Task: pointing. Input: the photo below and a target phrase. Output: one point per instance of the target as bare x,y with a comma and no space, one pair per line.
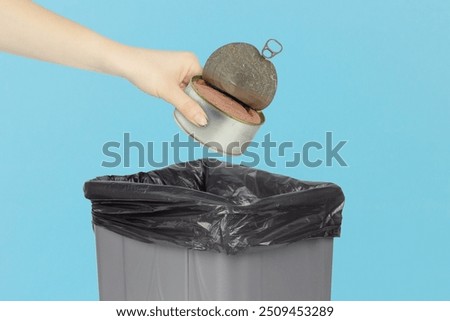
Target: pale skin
30,30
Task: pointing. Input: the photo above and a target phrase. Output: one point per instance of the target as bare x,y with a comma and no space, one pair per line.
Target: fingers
195,70
195,67
188,107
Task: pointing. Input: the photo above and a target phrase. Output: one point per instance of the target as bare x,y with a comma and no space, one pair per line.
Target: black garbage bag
212,205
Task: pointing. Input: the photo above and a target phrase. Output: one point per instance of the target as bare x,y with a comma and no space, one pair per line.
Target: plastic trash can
207,230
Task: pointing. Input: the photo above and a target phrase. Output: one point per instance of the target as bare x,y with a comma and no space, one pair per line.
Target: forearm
29,30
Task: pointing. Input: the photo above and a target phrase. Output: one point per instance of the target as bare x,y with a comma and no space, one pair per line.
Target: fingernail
201,120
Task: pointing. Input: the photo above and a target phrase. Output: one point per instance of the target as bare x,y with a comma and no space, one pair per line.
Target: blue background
375,73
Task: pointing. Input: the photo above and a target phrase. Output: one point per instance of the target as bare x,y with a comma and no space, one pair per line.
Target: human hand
28,29
165,74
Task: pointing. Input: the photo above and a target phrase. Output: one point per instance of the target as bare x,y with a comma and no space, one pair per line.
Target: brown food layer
226,104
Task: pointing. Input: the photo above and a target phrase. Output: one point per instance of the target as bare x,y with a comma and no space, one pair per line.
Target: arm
29,30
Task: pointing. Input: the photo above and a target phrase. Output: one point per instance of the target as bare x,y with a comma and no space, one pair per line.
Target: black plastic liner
211,205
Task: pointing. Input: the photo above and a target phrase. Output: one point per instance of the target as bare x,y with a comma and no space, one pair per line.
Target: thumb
188,107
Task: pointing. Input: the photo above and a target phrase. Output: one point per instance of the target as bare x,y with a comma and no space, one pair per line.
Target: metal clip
268,52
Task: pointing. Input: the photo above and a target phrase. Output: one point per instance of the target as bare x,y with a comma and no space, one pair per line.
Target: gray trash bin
179,234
